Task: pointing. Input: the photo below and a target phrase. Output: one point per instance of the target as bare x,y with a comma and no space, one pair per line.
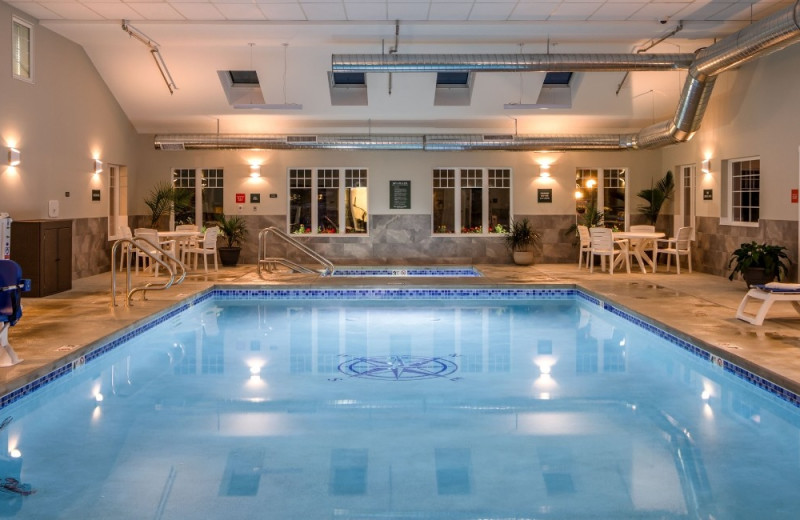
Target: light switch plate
52,208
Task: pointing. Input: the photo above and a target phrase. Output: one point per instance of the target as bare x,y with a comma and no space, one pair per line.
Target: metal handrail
134,245
263,260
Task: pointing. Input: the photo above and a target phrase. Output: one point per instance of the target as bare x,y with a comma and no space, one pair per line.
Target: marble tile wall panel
91,250
715,242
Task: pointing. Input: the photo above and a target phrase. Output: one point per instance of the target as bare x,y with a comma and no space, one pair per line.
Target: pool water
448,409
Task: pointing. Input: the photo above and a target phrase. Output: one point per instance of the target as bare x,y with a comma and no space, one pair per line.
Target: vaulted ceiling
289,44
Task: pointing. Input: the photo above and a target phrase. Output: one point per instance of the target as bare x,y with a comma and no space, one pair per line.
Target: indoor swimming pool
399,403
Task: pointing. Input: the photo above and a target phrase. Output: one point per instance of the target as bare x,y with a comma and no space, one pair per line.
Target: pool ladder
172,265
268,263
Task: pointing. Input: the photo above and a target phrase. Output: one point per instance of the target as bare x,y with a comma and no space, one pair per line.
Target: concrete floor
60,328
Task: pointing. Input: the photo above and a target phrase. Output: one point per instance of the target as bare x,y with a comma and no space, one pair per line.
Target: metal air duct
509,62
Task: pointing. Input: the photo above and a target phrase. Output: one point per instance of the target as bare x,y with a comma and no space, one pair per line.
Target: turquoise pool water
399,404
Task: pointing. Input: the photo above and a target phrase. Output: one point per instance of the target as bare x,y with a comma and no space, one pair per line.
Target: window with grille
471,200
745,189
340,200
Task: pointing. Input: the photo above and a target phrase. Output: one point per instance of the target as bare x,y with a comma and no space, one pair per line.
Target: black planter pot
757,276
229,256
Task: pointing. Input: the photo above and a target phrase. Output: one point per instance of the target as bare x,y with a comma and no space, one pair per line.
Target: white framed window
329,201
742,191
21,49
471,200
206,195
603,190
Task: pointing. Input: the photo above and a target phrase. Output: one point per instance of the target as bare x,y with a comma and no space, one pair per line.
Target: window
685,207
601,191
205,197
341,200
117,199
745,186
21,49
471,200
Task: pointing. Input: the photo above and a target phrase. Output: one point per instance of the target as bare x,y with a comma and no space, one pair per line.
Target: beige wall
58,122
392,165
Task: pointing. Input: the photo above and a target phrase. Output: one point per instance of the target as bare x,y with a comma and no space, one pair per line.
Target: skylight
452,79
243,77
557,78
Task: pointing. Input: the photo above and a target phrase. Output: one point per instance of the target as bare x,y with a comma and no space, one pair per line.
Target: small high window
343,79
21,49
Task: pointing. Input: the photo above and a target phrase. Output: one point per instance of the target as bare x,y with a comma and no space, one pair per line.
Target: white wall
59,123
753,112
393,165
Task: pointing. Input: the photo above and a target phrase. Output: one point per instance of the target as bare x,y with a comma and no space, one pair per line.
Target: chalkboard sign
399,194
545,195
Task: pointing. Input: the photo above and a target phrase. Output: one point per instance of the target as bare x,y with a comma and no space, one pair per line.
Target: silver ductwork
758,39
509,62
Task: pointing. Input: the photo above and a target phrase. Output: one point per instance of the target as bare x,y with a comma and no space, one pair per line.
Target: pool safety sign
239,198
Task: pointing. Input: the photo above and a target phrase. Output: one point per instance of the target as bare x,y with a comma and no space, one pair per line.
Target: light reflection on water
403,409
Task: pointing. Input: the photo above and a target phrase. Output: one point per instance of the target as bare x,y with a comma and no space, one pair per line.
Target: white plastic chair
147,239
677,246
603,245
125,250
206,246
585,245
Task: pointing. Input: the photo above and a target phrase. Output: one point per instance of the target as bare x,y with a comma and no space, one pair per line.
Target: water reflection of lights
15,453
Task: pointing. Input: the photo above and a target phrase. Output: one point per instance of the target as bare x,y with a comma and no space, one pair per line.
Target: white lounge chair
768,294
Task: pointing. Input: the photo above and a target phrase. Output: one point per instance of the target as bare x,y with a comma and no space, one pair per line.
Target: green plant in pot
233,231
759,263
521,240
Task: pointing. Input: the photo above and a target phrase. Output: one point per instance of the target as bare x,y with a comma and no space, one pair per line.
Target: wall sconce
97,166
544,170
705,166
591,183
578,194
255,171
13,157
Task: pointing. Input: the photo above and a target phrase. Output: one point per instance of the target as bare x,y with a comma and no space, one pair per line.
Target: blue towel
777,287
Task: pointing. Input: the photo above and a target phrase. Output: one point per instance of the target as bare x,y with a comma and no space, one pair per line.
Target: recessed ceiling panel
492,11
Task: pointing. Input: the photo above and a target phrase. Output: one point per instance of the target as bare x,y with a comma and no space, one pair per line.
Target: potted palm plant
163,198
233,231
521,240
656,196
759,263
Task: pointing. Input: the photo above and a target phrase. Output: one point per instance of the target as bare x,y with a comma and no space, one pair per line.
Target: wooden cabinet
43,248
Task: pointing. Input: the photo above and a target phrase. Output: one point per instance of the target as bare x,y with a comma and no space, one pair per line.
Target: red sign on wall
240,198
794,196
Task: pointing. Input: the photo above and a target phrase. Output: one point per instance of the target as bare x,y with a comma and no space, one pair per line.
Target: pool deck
60,328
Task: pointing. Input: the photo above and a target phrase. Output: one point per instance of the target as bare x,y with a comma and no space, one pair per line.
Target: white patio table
638,244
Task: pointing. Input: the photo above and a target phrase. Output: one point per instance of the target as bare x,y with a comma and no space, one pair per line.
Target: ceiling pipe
509,62
759,39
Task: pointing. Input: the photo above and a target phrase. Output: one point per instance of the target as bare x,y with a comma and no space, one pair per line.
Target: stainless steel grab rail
134,245
269,263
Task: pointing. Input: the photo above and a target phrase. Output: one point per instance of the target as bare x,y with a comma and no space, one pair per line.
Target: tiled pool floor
59,327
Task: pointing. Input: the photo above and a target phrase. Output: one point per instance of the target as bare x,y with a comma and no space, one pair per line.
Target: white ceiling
196,39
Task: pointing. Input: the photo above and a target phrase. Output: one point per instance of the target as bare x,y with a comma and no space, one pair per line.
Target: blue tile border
512,293
411,272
